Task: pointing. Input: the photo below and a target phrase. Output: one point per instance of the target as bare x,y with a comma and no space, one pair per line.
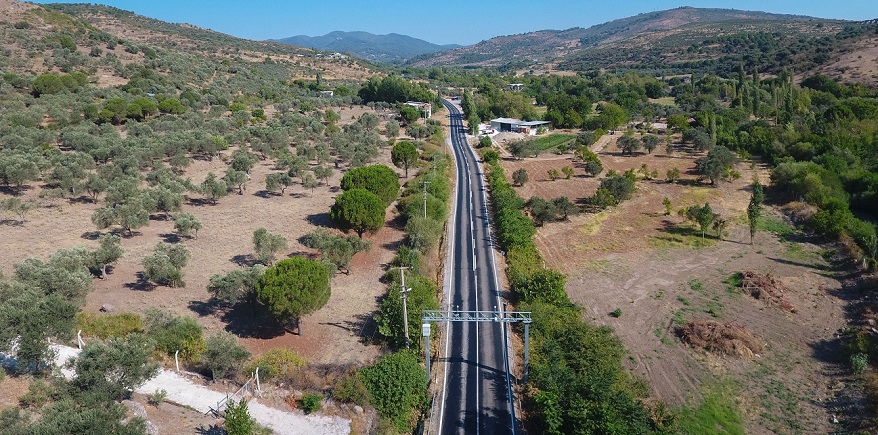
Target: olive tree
237,178
520,176
337,249
28,318
187,224
266,245
715,164
629,144
235,286
278,181
213,188
108,252
392,128
17,207
165,264
294,287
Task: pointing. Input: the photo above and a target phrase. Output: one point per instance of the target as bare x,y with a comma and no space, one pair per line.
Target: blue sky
442,21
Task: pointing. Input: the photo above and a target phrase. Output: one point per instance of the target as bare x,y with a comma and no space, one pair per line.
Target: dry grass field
660,274
332,335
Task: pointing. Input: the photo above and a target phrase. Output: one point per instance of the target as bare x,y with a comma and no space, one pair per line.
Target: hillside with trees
678,41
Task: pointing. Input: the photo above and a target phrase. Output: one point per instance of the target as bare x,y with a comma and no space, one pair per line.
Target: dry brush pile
729,338
767,289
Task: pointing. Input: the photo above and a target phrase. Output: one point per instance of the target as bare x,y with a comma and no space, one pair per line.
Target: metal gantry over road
476,383
476,316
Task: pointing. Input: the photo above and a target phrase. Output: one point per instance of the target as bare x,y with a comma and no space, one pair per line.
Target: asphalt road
477,394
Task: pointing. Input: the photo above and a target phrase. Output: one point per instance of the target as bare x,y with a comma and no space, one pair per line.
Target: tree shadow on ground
210,430
304,254
244,260
142,284
265,194
251,320
170,237
12,222
362,325
200,202
81,199
91,235
205,308
319,220
14,191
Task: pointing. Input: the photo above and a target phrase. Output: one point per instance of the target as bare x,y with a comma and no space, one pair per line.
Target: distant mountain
646,41
391,48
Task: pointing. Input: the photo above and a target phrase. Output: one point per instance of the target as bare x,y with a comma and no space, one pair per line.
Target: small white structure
426,109
327,93
519,126
515,86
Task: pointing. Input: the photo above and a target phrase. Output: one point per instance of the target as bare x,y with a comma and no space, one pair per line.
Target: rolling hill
390,48
106,39
662,41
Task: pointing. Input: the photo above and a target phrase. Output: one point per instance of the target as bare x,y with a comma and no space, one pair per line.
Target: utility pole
425,183
405,312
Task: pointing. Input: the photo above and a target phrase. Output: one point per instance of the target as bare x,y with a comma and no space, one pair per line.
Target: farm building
424,108
519,126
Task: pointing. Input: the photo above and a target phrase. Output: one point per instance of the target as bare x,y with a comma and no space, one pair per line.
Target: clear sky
443,21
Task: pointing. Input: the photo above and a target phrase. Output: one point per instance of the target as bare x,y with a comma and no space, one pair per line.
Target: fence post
258,386
79,341
177,360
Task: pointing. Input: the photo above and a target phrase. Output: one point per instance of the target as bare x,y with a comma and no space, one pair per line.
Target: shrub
311,402
223,355
104,326
157,397
172,333
277,363
617,313
238,419
859,362
351,389
397,386
39,392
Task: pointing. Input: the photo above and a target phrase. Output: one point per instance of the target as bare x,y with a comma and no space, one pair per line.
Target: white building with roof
426,109
519,126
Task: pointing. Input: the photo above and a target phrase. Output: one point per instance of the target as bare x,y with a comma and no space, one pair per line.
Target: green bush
859,362
397,386
351,389
105,326
311,402
172,333
276,363
39,392
423,296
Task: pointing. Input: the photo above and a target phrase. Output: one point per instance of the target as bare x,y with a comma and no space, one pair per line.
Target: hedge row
577,382
397,384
